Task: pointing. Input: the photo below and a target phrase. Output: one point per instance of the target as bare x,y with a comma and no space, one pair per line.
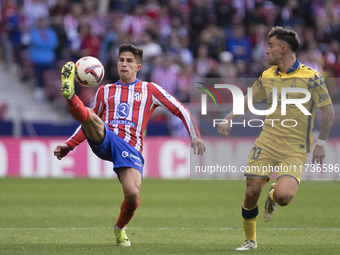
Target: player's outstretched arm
224,127
326,125
61,151
198,145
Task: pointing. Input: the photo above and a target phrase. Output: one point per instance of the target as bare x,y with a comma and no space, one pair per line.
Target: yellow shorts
264,160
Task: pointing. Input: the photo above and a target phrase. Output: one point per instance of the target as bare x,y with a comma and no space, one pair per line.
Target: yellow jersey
293,131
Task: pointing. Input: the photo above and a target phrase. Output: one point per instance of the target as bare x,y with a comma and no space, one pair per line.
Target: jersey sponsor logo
323,97
123,122
138,96
125,154
123,110
135,157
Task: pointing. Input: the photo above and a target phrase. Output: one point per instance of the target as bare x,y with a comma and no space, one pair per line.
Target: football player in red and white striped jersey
114,127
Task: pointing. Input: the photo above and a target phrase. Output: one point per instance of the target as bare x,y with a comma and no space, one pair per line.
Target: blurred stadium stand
182,40
22,112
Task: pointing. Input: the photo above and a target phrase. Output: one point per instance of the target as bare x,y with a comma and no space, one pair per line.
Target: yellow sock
249,226
249,222
271,195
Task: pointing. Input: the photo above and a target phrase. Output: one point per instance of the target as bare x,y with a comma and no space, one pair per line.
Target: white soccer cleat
247,245
270,207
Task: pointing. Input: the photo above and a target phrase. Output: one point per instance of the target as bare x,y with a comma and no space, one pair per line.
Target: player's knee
283,199
131,195
252,194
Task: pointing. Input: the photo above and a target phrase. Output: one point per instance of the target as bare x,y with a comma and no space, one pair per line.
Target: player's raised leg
131,180
91,123
75,105
270,206
281,194
250,211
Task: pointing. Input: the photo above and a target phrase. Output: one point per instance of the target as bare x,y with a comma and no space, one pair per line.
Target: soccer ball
89,71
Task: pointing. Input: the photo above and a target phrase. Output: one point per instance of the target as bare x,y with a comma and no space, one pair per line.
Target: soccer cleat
67,80
247,245
121,237
269,208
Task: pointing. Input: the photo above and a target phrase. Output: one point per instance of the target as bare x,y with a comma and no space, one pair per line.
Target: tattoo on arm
326,121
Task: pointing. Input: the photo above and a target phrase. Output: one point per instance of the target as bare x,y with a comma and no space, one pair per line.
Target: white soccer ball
89,71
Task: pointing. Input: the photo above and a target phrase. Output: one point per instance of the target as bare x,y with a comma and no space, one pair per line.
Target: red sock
126,212
77,109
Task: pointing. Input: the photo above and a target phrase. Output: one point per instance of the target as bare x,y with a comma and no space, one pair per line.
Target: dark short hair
137,52
288,36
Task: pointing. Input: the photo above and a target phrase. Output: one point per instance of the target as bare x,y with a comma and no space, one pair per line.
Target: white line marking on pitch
167,228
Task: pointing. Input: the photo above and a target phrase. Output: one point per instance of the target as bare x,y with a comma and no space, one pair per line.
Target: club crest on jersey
138,96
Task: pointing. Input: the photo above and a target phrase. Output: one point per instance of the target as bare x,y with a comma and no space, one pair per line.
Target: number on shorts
256,153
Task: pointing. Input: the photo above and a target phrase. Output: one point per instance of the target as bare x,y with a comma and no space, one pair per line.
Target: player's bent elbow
90,110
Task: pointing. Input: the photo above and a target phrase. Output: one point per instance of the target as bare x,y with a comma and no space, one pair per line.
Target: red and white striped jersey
127,108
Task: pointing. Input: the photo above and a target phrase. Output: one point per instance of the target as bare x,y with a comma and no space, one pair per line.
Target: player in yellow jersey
285,140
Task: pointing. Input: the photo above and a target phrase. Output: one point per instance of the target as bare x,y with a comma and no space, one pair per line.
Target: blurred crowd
182,39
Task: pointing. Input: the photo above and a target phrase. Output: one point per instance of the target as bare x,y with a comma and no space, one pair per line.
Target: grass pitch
76,216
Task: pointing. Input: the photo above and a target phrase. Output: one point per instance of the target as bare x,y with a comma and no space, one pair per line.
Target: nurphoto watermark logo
283,100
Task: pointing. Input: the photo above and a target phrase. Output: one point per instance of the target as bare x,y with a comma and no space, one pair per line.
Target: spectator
71,23
213,71
35,10
60,8
224,11
58,27
255,17
41,51
151,49
186,80
239,45
186,55
136,23
16,25
289,16
7,11
241,67
226,68
198,18
203,62
95,21
165,73
109,39
90,44
3,110
217,42
164,20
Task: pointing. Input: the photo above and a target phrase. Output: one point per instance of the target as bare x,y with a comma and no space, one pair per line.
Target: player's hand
198,146
61,151
318,154
224,127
